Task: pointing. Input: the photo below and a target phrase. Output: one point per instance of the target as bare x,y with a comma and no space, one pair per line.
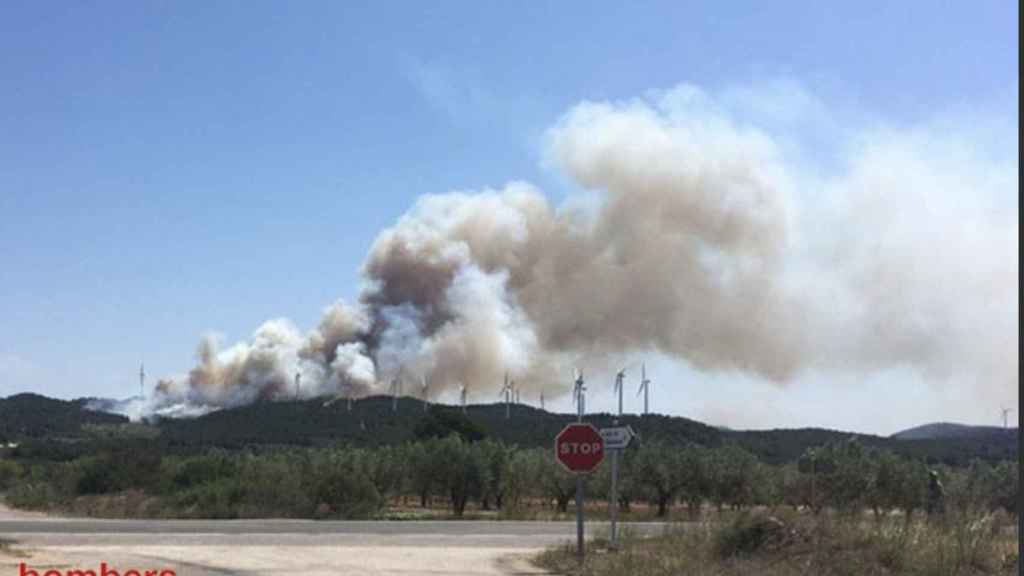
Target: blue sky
167,169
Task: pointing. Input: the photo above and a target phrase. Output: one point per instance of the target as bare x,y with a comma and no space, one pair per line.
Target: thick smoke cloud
698,233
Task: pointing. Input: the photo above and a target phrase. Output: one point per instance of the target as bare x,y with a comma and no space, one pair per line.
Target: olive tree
658,472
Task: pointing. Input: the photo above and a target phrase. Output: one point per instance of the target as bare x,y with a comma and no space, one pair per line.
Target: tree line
459,473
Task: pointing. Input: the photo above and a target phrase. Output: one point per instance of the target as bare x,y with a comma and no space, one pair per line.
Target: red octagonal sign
579,447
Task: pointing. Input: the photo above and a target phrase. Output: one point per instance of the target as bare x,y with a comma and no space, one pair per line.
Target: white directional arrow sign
616,438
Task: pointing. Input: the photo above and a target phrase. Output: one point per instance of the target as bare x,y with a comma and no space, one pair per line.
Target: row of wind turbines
579,390
511,393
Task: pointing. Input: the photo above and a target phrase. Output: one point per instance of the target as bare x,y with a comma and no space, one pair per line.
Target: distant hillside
786,445
34,416
371,422
948,430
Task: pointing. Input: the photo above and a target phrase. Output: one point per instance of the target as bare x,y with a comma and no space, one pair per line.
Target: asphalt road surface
284,547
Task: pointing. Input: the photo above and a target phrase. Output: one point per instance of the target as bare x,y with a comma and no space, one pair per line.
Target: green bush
750,533
273,487
10,473
116,471
95,476
219,499
34,496
198,470
347,494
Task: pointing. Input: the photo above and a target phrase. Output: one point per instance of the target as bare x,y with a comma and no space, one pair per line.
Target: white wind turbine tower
424,391
396,391
142,380
1006,412
620,377
579,392
645,386
506,390
541,399
462,397
298,377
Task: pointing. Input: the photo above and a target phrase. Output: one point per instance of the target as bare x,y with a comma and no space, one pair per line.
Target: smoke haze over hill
699,230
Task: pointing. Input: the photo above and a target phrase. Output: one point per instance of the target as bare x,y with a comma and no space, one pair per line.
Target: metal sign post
613,501
615,439
579,517
579,490
580,448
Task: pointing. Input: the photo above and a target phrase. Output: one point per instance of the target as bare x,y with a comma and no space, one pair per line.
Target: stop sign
579,447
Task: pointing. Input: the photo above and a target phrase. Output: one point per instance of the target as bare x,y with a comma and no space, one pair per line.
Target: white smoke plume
703,232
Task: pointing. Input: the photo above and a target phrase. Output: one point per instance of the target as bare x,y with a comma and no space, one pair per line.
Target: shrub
750,533
273,487
347,494
10,473
34,495
199,470
217,500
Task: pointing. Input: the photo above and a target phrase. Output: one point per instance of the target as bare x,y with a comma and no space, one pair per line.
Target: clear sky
167,169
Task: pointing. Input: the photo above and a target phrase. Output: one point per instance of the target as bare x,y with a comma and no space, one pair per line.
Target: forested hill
35,416
940,430
372,422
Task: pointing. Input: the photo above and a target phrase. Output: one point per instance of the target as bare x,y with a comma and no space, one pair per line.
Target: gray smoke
694,234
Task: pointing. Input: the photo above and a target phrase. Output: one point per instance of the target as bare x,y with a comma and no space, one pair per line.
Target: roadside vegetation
451,471
959,542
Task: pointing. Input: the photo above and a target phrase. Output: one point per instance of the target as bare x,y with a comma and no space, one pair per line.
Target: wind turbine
579,392
462,397
506,390
298,377
645,386
396,391
1006,412
620,376
142,380
541,399
424,390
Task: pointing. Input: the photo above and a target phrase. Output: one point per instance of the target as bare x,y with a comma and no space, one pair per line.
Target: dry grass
804,545
7,549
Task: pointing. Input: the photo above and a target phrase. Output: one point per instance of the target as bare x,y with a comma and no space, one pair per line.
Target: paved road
278,547
258,527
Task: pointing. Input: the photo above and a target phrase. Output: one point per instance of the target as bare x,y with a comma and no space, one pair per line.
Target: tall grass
825,545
